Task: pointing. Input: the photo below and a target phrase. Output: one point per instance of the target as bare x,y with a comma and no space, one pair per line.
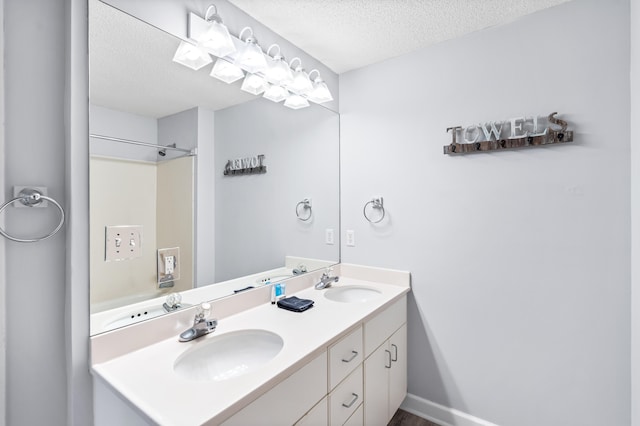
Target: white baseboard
440,414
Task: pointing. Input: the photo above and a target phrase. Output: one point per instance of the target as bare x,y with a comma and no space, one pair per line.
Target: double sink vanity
341,362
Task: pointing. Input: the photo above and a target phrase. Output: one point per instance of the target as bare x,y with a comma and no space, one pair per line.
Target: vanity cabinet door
385,370
289,400
318,416
376,387
398,370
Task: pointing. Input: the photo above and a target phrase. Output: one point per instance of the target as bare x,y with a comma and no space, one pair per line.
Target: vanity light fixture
278,71
295,101
191,56
216,39
253,84
250,56
301,82
320,92
275,93
264,74
226,71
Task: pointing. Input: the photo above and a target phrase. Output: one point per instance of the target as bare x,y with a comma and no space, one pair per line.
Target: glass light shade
226,71
296,102
217,40
191,56
278,72
250,57
320,92
301,82
276,93
253,84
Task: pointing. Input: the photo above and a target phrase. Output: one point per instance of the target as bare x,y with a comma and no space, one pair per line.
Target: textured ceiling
130,61
350,34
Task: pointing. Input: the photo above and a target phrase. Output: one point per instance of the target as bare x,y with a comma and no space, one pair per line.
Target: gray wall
35,144
520,260
256,226
635,210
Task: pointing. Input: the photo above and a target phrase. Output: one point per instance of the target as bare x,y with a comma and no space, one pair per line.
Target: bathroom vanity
341,362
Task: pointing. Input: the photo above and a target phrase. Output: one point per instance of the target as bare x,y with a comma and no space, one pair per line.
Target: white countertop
146,379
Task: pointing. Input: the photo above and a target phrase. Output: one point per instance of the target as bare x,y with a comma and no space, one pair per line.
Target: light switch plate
351,238
123,242
328,237
164,276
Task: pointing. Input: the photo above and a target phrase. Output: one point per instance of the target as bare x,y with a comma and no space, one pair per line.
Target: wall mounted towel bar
376,203
30,197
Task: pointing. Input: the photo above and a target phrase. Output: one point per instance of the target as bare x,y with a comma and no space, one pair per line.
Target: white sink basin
228,355
351,294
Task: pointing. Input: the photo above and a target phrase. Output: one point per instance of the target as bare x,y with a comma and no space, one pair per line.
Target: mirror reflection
198,190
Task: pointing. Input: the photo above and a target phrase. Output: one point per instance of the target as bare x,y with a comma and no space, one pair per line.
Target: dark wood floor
402,418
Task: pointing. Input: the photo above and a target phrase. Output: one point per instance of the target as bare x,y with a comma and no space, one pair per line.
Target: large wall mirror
165,218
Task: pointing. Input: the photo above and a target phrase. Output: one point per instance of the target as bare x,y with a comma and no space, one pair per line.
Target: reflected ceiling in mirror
236,230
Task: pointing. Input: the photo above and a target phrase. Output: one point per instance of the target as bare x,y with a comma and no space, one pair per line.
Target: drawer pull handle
353,401
395,351
354,354
388,353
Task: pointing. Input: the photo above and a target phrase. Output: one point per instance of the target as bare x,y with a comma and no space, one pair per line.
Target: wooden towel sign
521,132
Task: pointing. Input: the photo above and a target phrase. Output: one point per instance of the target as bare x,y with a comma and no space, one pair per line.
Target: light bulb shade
253,84
191,56
226,71
217,40
296,102
301,82
251,58
320,92
278,72
276,93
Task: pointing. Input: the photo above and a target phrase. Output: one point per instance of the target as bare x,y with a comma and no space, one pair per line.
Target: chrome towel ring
376,203
306,205
32,197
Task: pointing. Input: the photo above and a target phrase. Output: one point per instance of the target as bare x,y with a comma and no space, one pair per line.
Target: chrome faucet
173,302
201,325
326,279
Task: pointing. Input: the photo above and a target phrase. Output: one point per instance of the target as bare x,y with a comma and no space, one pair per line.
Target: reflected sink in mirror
351,294
121,319
226,356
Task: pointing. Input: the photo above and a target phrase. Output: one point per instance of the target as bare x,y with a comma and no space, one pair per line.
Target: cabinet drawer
344,357
346,398
379,328
289,400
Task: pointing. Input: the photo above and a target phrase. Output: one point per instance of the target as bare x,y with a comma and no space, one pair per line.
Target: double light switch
123,242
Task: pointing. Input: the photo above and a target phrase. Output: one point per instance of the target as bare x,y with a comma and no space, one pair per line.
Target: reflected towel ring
32,197
376,203
306,204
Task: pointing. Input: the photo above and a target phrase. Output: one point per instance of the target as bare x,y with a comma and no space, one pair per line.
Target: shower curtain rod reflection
191,152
